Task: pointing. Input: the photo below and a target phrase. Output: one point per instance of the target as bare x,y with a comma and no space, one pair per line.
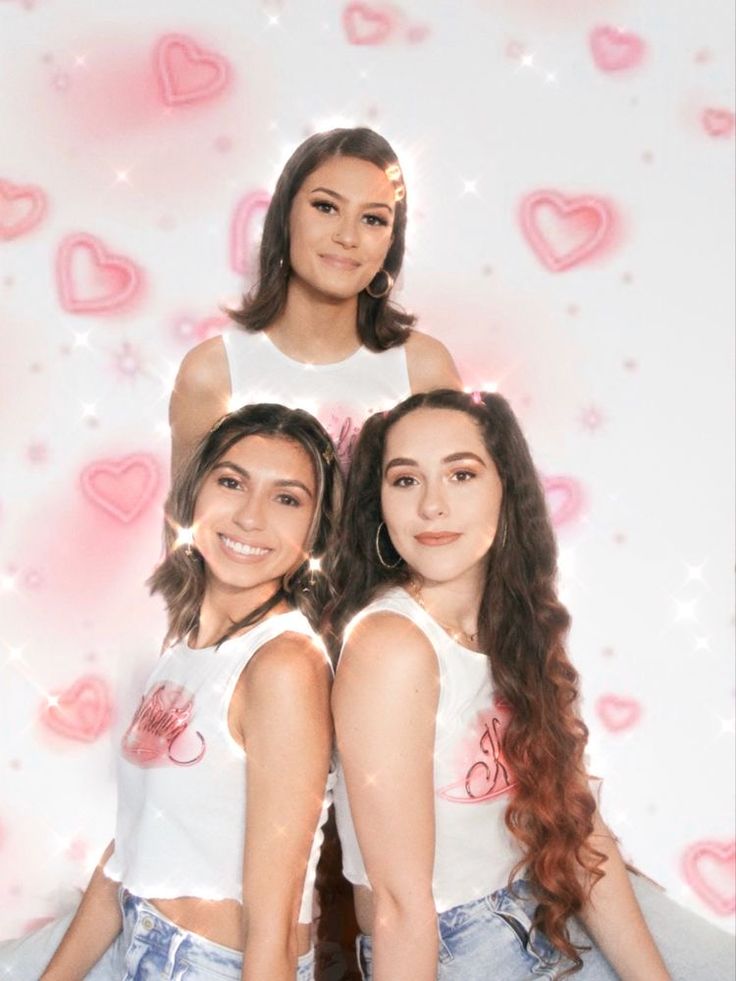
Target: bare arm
614,920
430,364
200,397
287,731
385,701
96,924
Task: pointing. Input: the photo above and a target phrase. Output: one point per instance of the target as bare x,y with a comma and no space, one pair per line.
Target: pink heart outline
82,712
37,207
565,207
104,260
573,498
615,50
240,259
166,52
720,851
91,474
357,19
717,122
618,712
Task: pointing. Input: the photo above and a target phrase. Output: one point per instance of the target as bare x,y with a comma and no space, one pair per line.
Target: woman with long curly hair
469,826
224,771
320,329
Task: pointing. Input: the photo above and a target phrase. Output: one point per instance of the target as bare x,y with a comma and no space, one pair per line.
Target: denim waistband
157,931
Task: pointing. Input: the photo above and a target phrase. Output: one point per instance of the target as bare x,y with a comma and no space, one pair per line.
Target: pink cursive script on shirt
486,775
158,734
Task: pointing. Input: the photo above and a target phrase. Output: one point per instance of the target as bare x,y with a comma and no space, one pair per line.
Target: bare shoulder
200,397
204,369
390,647
291,662
430,364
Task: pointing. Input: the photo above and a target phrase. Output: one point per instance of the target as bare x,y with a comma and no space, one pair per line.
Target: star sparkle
591,418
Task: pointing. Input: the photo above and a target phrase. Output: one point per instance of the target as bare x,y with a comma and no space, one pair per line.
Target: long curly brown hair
522,628
380,324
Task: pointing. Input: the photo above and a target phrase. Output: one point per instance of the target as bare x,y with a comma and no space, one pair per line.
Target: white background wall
620,365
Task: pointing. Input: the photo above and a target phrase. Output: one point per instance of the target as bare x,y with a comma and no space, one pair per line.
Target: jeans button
147,923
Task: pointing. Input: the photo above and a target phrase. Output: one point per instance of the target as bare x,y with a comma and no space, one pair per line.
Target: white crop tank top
341,395
182,777
474,850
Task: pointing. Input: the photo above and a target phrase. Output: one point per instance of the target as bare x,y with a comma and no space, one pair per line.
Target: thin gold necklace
457,634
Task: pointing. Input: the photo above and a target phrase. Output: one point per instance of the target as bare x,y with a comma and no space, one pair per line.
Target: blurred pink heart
186,73
21,208
243,247
92,280
618,712
124,487
365,24
82,712
718,122
564,231
708,868
614,50
564,499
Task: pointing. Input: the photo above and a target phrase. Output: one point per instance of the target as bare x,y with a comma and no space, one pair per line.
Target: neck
456,604
315,328
222,607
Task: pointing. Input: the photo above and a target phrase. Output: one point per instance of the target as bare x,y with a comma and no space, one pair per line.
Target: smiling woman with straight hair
469,825
320,329
223,776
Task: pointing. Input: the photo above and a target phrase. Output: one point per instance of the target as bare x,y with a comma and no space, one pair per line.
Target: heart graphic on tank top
709,868
563,231
82,712
614,50
123,488
21,208
90,279
618,713
186,73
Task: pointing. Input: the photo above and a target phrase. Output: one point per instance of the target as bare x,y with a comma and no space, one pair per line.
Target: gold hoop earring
384,563
389,286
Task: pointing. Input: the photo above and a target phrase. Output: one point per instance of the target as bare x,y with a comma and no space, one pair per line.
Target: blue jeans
493,937
149,948
154,948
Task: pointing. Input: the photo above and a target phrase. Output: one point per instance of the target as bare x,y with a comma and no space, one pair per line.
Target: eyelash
232,483
289,501
407,481
327,207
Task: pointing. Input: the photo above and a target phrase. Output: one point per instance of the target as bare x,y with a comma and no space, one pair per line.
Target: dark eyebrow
285,482
404,461
339,197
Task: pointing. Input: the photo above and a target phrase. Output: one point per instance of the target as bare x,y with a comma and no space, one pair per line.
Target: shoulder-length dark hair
522,628
381,324
180,578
